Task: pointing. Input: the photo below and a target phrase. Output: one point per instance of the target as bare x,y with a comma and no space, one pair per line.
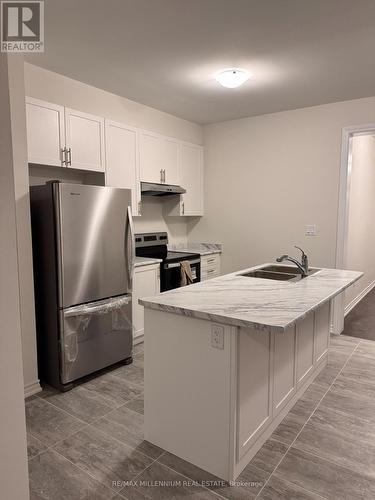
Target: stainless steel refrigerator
83,249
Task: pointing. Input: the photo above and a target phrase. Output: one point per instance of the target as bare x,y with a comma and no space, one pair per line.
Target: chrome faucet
303,266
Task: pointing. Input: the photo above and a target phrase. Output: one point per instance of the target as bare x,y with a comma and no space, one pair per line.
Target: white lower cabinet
210,266
146,283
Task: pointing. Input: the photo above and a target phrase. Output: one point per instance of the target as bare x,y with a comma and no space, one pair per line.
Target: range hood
153,189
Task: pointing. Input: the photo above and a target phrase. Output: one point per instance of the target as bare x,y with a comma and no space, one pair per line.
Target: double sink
278,273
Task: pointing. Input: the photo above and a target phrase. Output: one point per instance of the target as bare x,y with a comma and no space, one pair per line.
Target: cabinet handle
163,174
211,260
183,208
63,156
68,157
139,208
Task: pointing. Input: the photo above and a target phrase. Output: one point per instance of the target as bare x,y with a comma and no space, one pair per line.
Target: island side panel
254,379
188,390
296,357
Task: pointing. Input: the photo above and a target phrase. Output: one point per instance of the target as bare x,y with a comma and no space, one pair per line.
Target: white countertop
145,261
253,302
201,248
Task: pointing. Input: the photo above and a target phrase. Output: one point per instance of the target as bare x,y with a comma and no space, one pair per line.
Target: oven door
171,274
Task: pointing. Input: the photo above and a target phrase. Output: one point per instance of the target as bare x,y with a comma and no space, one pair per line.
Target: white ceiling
163,53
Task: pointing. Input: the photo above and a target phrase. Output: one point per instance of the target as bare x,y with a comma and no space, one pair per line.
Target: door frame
337,320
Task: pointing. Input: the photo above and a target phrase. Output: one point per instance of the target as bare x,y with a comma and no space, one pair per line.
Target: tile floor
88,443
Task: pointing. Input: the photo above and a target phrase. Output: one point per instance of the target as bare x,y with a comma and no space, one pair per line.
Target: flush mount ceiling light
232,77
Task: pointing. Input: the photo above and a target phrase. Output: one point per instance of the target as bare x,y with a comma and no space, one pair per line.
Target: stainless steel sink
270,275
278,273
286,269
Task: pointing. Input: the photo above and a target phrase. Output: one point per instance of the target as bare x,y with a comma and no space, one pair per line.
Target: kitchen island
226,359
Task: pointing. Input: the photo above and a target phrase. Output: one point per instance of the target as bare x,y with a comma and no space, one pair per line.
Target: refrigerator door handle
130,247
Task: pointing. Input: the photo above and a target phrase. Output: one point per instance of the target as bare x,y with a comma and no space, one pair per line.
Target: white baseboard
138,339
359,297
31,389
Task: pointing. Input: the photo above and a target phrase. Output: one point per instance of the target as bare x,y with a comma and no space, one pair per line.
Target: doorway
355,227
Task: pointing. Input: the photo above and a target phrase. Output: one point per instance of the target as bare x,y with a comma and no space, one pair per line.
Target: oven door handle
177,264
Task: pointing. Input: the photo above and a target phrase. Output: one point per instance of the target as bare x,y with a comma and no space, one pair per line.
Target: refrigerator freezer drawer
95,335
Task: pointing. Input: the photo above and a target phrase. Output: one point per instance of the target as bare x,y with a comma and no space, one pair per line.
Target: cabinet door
85,139
284,368
151,158
122,160
321,336
191,178
158,158
305,348
146,284
45,132
171,159
254,407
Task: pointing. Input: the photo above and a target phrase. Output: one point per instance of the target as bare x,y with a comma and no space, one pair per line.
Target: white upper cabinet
171,165
122,160
158,158
191,178
45,132
64,137
84,141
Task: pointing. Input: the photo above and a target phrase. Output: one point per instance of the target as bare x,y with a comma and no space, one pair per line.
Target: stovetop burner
178,256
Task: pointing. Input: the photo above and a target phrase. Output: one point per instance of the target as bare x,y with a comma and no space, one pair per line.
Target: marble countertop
201,248
145,261
253,302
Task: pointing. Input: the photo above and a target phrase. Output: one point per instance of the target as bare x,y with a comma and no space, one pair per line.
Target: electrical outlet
217,336
310,230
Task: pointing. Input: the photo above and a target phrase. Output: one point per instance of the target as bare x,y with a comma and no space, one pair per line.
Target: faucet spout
303,267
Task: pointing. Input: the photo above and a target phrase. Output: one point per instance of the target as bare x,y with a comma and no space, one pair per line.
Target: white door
122,160
151,158
85,140
146,284
191,178
45,132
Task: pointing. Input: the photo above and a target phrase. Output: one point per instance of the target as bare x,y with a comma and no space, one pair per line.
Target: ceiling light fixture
232,78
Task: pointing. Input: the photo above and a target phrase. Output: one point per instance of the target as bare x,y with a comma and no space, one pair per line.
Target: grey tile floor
88,443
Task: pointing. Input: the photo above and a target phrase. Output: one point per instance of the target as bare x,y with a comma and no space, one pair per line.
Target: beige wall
266,177
361,217
13,458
